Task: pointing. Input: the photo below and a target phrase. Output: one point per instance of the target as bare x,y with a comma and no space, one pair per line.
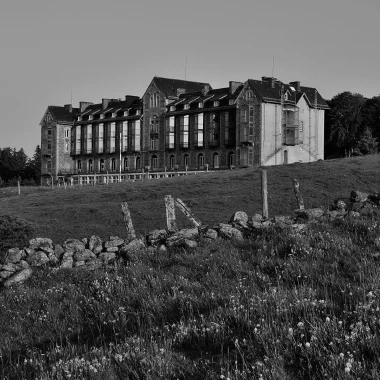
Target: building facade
184,125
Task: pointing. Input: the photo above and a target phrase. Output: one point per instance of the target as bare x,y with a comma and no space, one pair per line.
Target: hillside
213,197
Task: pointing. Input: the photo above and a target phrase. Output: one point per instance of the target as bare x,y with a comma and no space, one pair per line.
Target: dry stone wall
17,264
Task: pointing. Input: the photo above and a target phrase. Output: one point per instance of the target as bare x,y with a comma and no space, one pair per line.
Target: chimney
205,89
180,91
296,85
269,80
131,98
84,105
69,107
234,86
105,103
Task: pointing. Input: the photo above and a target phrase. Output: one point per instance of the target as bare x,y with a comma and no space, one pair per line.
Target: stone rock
79,263
68,254
95,244
133,246
85,241
114,238
309,214
28,251
239,217
340,204
4,274
113,243
334,214
354,214
156,237
67,262
53,259
40,243
22,265
37,259
13,255
84,256
184,243
59,251
257,218
228,232
112,249
161,248
358,196
298,227
74,245
19,277
93,264
48,251
211,234
368,209
107,257
187,233
11,267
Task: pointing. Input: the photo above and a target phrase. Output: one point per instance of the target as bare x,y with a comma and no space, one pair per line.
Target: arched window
90,166
186,161
172,162
201,161
79,164
113,164
101,165
138,163
125,164
216,160
154,162
157,100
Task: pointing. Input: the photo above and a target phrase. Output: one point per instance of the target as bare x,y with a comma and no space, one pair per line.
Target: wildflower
370,294
340,323
290,331
341,355
347,369
300,324
327,320
307,345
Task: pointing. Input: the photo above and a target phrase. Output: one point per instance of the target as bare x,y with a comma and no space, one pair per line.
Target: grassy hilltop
283,305
213,197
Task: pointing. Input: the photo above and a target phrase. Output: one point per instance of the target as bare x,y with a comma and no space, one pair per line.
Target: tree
371,116
344,121
367,144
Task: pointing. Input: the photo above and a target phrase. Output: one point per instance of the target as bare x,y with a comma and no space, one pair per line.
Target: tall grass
283,305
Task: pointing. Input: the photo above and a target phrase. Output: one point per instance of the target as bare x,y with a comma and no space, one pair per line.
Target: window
170,132
154,125
231,159
100,140
198,130
102,115
154,162
216,103
126,113
88,140
201,161
186,106
111,129
249,95
200,105
301,126
154,143
79,165
136,135
49,166
66,147
290,126
214,130
186,160
184,131
216,160
172,108
229,135
90,166
172,162
138,163
138,112
113,164
124,138
49,145
49,131
157,100
244,114
67,133
231,102
125,164
101,165
77,139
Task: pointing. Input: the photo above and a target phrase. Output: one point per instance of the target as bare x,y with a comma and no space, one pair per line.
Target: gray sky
111,48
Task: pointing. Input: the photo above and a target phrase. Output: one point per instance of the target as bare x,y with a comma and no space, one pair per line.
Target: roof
113,106
169,86
273,94
62,114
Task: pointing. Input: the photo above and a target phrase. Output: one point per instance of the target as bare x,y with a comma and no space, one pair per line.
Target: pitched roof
169,86
273,94
62,114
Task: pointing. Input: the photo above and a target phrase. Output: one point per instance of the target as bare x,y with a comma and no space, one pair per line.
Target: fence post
131,234
51,182
298,195
18,186
206,167
186,211
170,213
264,193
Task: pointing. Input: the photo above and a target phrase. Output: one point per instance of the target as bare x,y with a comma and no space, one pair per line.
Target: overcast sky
110,48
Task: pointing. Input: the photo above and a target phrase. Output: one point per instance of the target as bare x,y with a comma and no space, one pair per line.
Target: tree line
16,166
352,125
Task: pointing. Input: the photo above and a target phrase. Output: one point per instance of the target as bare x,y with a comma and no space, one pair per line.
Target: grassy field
283,305
213,197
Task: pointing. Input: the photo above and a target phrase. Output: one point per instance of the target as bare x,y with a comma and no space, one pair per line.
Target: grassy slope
213,197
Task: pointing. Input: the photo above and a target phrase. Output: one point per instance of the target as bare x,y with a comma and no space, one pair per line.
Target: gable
47,118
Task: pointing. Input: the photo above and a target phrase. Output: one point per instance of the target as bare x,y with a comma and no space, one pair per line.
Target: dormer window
138,112
249,95
286,96
91,117
186,106
114,114
102,115
216,103
126,113
172,108
200,105
231,102
79,118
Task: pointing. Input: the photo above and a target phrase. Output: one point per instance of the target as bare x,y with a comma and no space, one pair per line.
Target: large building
184,125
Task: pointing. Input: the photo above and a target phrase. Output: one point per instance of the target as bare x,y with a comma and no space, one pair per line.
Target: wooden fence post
298,195
170,213
186,210
18,186
264,193
131,234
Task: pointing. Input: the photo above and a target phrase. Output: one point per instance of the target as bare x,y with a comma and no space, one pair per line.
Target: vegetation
283,305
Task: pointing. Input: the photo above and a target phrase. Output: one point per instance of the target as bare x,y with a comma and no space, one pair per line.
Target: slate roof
113,106
62,114
273,94
169,86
